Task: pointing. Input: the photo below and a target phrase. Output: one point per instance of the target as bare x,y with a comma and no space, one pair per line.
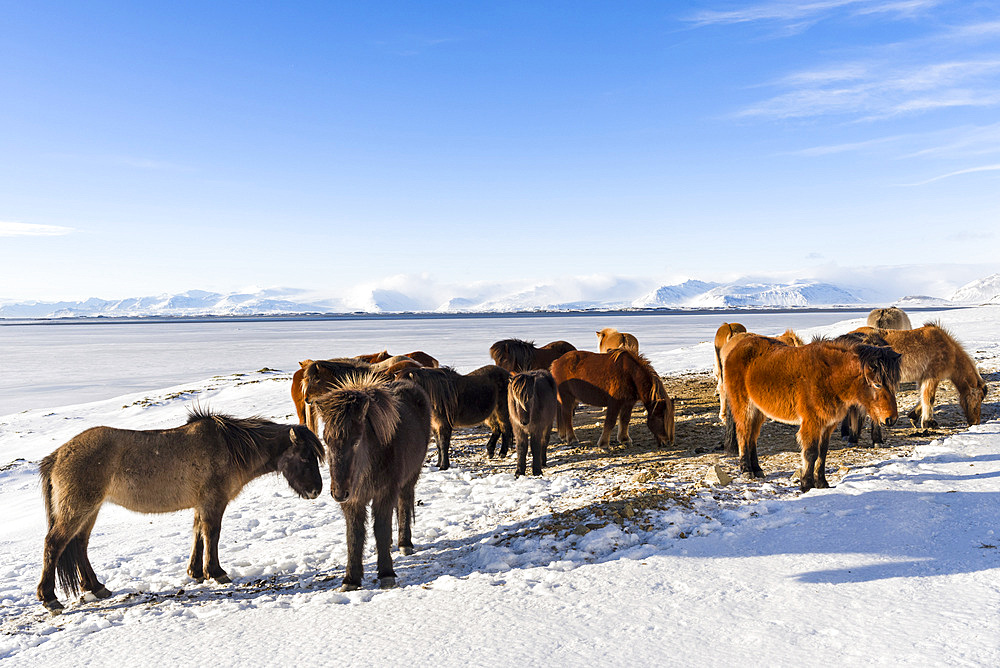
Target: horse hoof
223,579
349,587
406,550
101,592
54,606
387,583
930,424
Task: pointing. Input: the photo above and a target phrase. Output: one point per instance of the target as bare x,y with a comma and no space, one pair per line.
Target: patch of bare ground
628,479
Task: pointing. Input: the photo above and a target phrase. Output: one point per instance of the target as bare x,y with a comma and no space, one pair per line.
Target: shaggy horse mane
242,436
659,392
364,397
513,353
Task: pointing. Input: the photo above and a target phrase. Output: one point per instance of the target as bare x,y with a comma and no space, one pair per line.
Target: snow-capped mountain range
621,294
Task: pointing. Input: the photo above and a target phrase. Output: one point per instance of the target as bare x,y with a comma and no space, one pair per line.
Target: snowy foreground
898,564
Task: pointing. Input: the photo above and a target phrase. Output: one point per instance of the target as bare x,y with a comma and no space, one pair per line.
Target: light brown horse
889,318
930,355
202,465
811,386
418,356
610,338
376,432
726,332
516,355
316,377
532,403
618,379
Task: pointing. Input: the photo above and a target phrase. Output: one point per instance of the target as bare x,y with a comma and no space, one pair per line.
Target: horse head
299,463
880,371
660,420
972,401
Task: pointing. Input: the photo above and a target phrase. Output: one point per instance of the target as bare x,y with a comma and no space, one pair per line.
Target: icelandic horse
811,386
617,379
727,331
516,355
202,465
532,403
929,355
889,318
610,338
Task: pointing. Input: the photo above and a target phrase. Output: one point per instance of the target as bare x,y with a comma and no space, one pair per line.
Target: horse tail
729,443
522,393
73,555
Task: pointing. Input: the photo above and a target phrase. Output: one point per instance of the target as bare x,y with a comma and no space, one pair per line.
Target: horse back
592,378
930,352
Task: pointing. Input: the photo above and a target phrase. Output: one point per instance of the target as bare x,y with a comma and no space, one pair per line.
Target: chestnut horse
610,338
618,380
930,355
811,386
418,356
465,401
202,465
726,332
376,433
889,318
516,355
532,403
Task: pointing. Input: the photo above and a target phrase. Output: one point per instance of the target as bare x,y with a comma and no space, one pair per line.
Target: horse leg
819,469
850,427
63,554
809,437
404,516
610,417
565,417
196,569
443,438
878,435
721,390
537,456
355,517
749,463
87,574
624,417
382,521
211,529
521,443
925,412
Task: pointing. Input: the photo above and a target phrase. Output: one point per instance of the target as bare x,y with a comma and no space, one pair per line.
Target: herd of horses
371,419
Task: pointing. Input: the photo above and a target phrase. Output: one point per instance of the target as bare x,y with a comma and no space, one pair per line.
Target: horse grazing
610,338
202,465
315,377
516,355
465,401
376,432
889,318
811,386
617,379
532,403
930,355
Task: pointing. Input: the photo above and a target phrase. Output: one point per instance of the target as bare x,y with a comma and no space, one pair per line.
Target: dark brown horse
516,355
376,433
465,401
202,465
617,379
930,355
811,386
316,377
532,403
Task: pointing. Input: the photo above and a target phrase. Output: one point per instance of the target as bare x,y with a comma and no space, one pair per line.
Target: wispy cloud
798,16
30,230
880,90
960,172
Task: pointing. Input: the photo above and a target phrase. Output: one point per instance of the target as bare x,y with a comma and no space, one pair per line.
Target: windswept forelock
882,363
347,409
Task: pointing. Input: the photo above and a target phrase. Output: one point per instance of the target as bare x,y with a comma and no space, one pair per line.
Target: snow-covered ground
898,564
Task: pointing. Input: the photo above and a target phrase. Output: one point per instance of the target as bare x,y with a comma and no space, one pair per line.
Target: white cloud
30,230
960,172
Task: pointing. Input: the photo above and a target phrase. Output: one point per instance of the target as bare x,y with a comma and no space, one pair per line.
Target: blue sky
160,147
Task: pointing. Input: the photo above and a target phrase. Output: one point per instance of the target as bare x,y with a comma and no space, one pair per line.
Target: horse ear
305,363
